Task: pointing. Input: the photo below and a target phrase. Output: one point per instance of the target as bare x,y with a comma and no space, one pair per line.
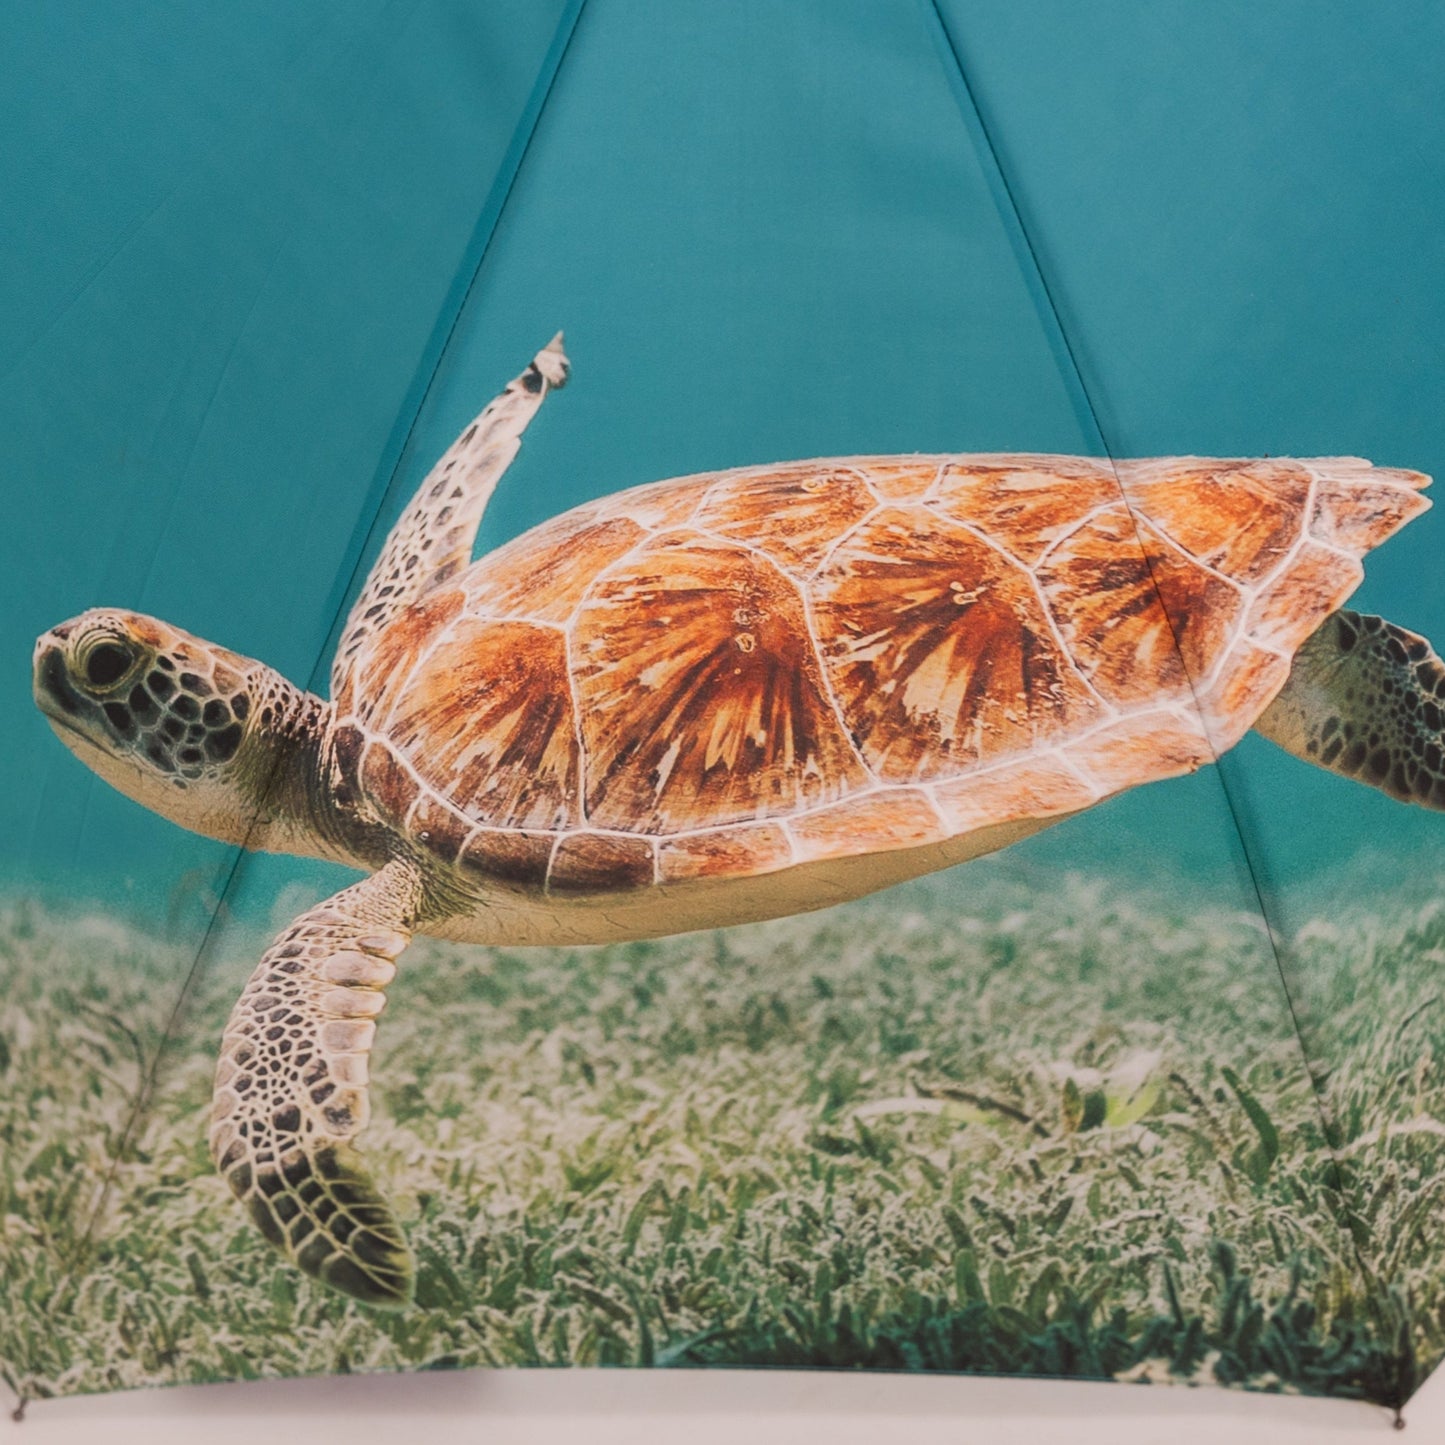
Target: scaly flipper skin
291,1089
1366,699
435,535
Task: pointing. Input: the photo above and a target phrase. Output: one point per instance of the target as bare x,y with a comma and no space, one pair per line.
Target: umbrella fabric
1152,1095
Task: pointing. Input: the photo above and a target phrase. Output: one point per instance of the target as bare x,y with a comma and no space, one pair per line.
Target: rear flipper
1367,699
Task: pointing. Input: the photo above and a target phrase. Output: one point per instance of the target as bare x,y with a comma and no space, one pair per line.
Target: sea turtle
722,698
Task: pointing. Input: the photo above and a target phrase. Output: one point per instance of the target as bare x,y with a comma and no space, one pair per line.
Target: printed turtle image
718,699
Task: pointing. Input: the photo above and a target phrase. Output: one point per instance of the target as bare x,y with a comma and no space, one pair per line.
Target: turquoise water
237,241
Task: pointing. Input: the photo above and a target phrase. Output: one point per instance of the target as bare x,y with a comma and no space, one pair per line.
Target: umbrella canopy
1154,1094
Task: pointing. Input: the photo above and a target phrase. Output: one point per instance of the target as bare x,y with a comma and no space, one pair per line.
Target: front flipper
1367,699
291,1089
437,532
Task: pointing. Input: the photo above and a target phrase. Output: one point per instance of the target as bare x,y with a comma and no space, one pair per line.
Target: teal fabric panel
233,232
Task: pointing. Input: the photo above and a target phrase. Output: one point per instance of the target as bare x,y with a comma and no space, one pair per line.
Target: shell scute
1239,517
1359,512
440,828
510,856
388,782
701,698
890,817
1319,580
542,582
1140,618
1024,503
939,650
383,667
791,514
486,719
348,745
899,479
1158,743
721,852
1240,693
664,506
1202,608
1032,787
601,863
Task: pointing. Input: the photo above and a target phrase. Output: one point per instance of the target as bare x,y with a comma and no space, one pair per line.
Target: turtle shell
735,673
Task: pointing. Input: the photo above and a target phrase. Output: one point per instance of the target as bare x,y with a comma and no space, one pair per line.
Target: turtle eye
107,662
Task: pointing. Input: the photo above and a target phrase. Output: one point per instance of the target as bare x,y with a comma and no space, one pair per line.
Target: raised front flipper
291,1089
436,533
1367,699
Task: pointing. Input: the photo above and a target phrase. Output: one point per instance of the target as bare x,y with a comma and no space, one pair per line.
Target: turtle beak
54,695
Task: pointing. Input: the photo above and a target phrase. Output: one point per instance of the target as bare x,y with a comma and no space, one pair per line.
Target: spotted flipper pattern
1366,698
434,538
291,1089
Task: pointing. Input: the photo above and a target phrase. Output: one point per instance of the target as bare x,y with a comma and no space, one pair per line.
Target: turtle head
172,721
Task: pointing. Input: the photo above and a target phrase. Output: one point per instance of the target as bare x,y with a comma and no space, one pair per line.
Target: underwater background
264,263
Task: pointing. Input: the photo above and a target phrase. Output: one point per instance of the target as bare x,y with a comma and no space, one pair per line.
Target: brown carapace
720,699
747,671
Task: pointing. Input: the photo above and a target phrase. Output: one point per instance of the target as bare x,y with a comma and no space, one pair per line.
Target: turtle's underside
723,698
